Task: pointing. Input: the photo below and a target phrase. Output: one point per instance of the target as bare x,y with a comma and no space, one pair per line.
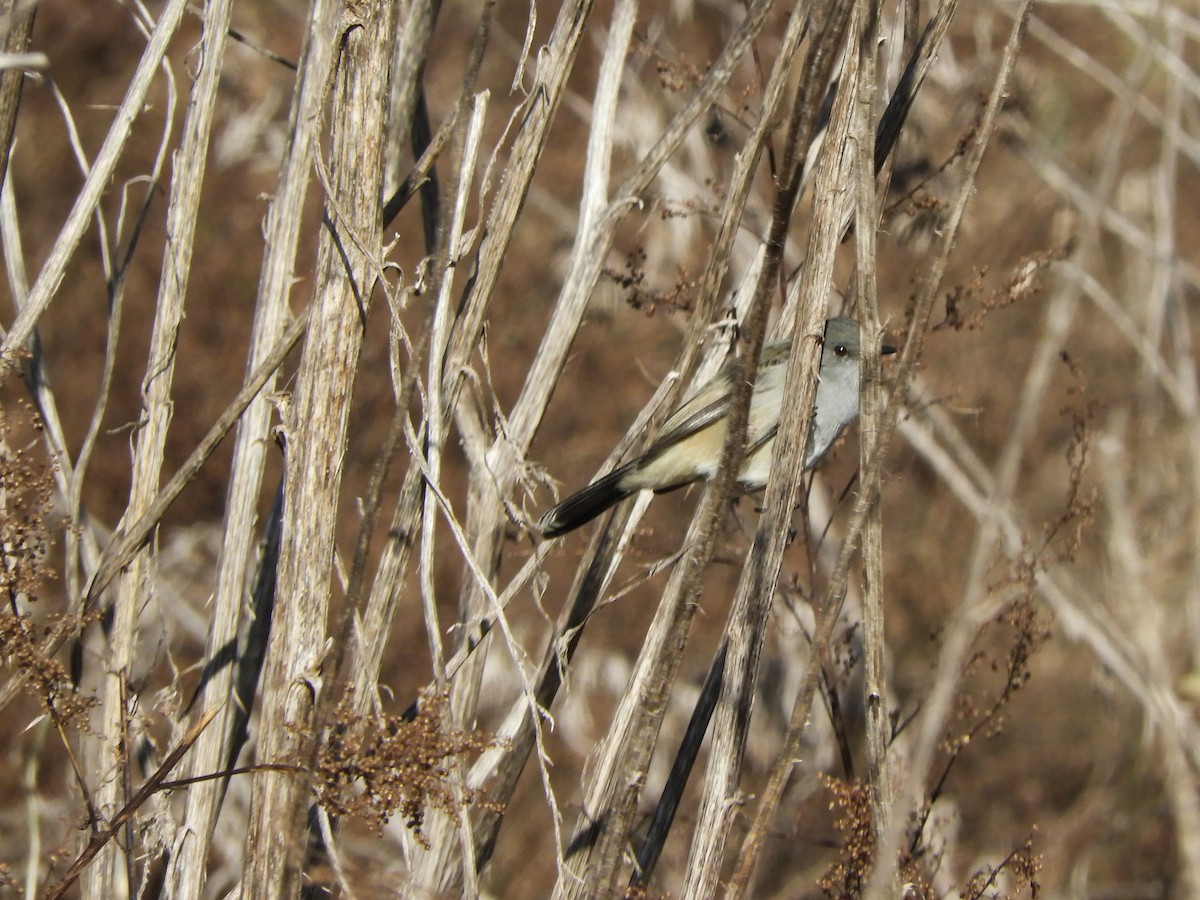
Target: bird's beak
888,350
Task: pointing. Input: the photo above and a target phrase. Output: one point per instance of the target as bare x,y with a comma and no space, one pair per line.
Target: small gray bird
689,447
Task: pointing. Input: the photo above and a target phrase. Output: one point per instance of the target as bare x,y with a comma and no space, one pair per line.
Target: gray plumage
689,446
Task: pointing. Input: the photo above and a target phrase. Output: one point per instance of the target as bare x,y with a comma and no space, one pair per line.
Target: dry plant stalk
348,265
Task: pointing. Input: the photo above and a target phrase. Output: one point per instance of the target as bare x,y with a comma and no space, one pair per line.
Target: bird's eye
841,349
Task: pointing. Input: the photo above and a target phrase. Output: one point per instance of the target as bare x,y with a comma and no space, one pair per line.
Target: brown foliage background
1068,755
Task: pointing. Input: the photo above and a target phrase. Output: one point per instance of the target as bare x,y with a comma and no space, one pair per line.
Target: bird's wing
695,415
711,404
768,435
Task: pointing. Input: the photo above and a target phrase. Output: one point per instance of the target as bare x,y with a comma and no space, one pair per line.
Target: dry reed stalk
348,267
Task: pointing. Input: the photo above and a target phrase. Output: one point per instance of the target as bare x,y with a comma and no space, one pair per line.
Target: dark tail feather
582,507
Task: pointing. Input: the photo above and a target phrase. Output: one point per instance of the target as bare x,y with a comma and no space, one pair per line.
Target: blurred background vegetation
1060,346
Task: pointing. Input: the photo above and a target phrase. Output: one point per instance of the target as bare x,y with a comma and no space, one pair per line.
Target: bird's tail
580,508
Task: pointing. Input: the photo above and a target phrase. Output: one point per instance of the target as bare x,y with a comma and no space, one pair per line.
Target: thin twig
98,842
